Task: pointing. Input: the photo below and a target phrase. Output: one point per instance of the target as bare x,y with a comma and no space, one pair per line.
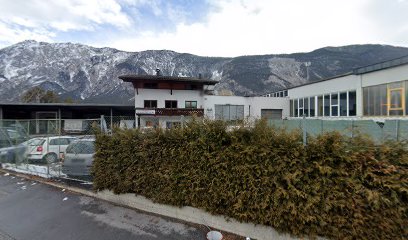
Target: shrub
336,187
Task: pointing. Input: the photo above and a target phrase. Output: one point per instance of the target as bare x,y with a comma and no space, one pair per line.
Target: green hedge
335,187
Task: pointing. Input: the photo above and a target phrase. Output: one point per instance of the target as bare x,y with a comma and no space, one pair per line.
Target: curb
188,214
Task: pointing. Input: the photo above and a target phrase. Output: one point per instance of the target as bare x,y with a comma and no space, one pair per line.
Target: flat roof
137,78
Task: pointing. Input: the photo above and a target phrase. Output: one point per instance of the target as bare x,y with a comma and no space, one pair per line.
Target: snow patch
35,170
216,75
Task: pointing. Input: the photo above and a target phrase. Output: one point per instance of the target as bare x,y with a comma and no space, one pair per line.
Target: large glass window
384,99
306,107
229,112
334,104
320,106
352,103
343,104
301,106
296,108
312,106
326,110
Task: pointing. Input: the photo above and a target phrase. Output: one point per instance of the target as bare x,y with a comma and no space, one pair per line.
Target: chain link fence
379,131
61,148
64,148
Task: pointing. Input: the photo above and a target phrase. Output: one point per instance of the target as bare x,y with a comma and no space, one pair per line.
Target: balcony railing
199,112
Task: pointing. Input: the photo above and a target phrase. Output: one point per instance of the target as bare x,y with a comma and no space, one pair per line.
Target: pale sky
207,27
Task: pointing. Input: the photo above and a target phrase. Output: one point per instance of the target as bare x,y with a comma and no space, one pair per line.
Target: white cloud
245,27
18,35
230,28
28,18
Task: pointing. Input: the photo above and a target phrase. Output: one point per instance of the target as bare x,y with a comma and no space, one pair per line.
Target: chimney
199,76
158,73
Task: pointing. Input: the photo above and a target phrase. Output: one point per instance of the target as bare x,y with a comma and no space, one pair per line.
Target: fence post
304,130
397,126
352,128
182,121
321,126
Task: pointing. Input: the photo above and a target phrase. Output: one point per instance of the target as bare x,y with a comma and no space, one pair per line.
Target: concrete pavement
31,210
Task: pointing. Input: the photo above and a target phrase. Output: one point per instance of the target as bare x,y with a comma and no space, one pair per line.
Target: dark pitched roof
67,105
136,78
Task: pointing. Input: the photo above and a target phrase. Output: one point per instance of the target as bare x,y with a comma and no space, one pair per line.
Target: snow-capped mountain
91,74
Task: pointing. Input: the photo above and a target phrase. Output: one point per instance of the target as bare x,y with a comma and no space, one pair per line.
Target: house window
229,112
191,104
170,104
150,103
150,85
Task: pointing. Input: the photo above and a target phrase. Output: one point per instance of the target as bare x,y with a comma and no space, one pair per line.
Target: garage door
271,113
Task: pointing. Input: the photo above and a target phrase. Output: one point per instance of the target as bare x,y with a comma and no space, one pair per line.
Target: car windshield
81,147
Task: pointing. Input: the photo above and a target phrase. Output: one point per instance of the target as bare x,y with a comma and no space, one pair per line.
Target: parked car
10,152
47,149
78,158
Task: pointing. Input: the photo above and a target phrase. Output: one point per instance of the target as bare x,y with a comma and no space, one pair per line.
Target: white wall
161,95
341,84
252,105
394,74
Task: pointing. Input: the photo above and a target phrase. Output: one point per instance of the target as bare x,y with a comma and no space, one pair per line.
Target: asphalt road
31,210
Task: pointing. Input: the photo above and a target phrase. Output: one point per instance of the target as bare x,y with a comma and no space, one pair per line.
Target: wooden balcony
199,112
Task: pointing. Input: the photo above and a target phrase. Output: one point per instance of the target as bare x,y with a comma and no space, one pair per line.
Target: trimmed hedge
336,187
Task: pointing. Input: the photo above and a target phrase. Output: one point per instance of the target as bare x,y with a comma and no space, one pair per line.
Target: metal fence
379,131
41,146
61,148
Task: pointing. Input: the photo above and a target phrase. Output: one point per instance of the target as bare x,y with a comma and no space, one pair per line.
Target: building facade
169,101
375,91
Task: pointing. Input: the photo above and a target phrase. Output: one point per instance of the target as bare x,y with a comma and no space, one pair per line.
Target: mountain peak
91,74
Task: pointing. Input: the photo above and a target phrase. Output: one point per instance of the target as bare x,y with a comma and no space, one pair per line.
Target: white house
167,101
374,91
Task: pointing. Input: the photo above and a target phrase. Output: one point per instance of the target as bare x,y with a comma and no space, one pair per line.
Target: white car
47,149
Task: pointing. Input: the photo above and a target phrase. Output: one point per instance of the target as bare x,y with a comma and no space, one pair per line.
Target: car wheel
50,158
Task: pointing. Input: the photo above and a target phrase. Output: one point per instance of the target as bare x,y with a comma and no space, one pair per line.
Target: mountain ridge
89,74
